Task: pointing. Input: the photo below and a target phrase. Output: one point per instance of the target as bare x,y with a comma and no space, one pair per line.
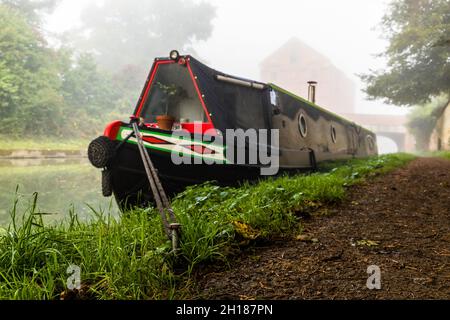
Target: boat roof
207,80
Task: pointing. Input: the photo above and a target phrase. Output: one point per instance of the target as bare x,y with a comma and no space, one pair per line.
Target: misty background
69,67
243,33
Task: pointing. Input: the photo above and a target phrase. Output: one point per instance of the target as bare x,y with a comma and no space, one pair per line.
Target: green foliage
27,76
60,93
436,154
443,154
91,96
119,260
43,91
130,258
418,54
422,121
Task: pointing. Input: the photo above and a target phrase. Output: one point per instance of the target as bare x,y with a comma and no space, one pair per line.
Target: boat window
172,93
302,125
333,134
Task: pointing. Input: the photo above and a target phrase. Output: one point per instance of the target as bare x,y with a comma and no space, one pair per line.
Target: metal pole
312,91
161,199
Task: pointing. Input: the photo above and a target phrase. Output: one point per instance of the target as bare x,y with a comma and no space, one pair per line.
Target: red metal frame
187,126
150,83
112,129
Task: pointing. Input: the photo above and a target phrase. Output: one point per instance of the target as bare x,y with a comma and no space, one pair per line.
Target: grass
13,144
440,154
434,154
130,258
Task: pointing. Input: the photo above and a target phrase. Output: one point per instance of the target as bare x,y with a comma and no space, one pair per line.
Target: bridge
392,127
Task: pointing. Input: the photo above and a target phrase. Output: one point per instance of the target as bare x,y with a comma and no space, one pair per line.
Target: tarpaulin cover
232,106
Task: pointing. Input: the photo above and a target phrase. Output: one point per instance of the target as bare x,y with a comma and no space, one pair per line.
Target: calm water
61,185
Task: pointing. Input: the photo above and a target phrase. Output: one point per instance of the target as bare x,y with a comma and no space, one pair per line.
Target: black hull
130,184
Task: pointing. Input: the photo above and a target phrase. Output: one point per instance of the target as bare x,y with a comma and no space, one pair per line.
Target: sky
247,31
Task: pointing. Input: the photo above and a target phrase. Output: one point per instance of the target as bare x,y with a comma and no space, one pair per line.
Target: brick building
295,63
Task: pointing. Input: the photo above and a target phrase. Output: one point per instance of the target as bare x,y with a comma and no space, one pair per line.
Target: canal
61,184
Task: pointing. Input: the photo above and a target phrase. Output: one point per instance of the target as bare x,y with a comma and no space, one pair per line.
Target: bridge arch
386,145
396,137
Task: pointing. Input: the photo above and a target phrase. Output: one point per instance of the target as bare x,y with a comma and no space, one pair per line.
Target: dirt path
399,222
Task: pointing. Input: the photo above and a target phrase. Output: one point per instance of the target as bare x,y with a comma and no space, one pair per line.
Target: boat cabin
183,91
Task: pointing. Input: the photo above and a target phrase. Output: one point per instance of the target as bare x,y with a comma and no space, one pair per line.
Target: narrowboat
185,113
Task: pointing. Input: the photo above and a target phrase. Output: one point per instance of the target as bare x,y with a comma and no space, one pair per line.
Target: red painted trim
199,93
150,83
112,129
154,140
200,149
188,126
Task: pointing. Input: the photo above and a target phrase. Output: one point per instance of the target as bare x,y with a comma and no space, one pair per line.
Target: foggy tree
418,53
91,95
31,9
47,92
84,87
28,78
125,37
422,121
131,33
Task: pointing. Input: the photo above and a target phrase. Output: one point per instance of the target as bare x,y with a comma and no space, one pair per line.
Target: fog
68,68
246,32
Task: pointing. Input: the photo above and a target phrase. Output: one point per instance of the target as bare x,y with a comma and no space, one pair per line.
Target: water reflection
60,183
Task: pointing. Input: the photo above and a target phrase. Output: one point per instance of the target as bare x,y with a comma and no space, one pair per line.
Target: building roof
308,55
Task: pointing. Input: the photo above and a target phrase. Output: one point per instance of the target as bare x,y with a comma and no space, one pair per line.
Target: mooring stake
175,231
171,227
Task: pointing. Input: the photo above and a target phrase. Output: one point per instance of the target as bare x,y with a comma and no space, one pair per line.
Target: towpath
399,222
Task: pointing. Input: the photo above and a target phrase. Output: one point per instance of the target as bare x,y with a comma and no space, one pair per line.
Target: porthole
302,125
370,143
333,134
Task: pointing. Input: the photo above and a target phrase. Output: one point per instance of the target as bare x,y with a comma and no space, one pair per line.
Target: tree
125,36
131,33
27,75
91,96
418,54
31,9
422,121
85,87
46,92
